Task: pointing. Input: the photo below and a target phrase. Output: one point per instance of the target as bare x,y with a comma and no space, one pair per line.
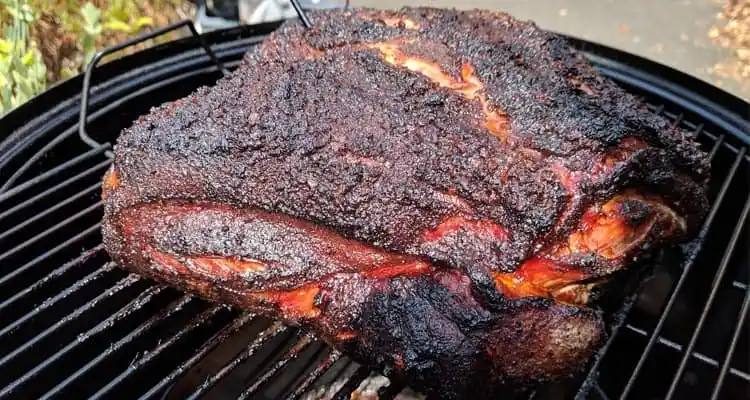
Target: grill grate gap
214,340
6,193
47,195
261,340
725,364
135,334
302,343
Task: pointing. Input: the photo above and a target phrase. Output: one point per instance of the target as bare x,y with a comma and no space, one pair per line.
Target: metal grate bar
7,277
698,130
165,313
50,210
301,14
677,120
35,199
599,391
732,346
52,301
297,375
269,333
593,371
348,368
319,370
337,380
122,284
687,266
656,109
728,252
49,230
209,345
739,285
196,322
628,304
52,276
301,344
698,356
134,305
717,145
352,383
734,149
85,91
35,157
50,173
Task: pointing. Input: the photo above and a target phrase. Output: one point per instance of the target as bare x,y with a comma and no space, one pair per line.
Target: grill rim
647,79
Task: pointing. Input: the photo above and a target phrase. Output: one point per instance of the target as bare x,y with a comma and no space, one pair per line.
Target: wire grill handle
83,115
301,13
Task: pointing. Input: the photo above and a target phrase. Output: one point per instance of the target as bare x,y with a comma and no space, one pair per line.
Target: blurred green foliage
42,41
92,28
122,15
22,71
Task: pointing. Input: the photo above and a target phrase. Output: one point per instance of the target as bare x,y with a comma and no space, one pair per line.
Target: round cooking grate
73,325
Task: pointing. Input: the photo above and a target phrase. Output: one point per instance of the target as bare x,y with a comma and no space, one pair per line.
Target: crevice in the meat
615,228
456,223
604,242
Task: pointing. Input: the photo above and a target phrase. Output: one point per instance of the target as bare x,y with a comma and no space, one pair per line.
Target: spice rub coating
432,191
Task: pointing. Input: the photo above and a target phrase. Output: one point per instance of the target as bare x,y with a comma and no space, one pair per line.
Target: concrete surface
672,32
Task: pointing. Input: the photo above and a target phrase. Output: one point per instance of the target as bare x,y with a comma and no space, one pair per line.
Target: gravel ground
672,32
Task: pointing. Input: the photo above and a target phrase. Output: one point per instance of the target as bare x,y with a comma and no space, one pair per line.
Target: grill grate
72,324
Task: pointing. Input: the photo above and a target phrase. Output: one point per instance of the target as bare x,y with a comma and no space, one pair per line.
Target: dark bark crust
317,147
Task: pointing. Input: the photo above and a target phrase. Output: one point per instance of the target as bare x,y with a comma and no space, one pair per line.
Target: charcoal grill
72,325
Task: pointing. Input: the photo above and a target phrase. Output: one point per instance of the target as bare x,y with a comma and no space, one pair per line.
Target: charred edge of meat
421,323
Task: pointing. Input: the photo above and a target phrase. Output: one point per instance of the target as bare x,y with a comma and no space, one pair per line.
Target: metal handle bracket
83,115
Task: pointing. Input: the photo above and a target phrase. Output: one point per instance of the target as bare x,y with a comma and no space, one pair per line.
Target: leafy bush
122,15
43,41
22,71
92,28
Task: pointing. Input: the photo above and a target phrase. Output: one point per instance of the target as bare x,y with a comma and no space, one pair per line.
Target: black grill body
72,325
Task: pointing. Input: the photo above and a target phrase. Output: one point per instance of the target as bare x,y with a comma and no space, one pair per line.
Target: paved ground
672,32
